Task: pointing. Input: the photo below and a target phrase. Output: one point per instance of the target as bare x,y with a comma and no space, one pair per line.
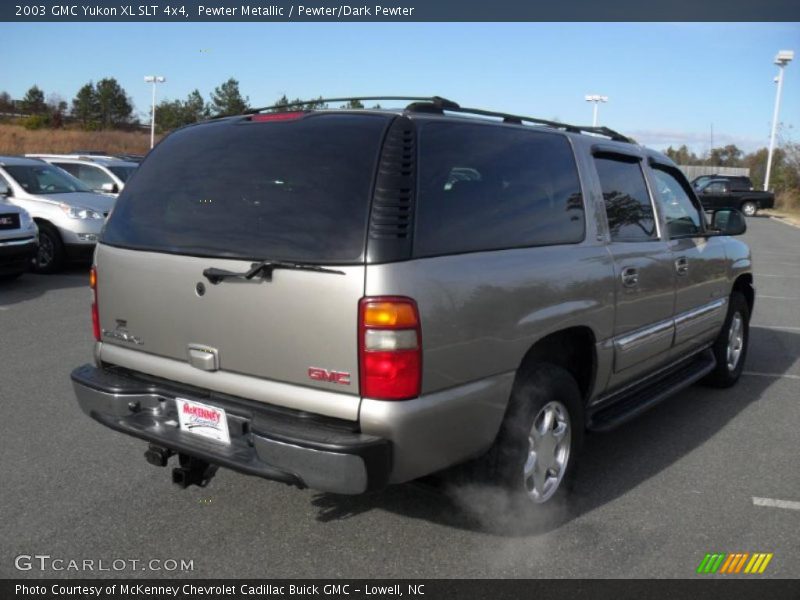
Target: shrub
35,122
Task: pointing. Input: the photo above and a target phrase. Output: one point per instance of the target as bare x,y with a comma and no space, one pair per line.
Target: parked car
105,174
720,193
348,298
18,239
68,214
736,182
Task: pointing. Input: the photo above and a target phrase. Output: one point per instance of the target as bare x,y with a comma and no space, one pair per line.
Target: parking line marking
778,375
778,297
784,221
776,327
780,276
772,503
4,307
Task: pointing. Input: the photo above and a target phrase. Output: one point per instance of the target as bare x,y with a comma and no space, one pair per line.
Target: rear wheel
534,455
749,208
50,256
730,347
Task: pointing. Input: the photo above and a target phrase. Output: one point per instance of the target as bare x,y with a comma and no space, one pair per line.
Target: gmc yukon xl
345,299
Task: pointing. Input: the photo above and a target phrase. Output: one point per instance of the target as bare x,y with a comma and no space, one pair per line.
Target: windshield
122,172
296,190
44,179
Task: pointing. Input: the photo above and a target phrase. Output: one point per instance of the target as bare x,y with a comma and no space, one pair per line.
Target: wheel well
744,285
572,349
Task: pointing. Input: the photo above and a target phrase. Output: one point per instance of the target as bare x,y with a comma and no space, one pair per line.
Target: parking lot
652,497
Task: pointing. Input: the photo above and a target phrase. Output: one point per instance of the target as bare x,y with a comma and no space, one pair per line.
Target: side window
93,177
715,188
71,168
484,187
628,206
682,216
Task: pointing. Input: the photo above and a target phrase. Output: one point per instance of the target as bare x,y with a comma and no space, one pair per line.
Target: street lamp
783,58
154,79
595,99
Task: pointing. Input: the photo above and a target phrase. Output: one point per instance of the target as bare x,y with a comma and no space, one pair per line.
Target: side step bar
617,411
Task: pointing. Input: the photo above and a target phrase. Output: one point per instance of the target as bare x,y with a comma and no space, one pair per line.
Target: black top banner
398,10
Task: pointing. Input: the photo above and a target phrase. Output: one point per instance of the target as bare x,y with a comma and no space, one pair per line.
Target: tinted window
681,215
122,172
718,187
71,168
628,206
740,184
293,190
485,187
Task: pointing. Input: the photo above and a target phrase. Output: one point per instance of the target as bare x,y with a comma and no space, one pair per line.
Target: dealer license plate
203,420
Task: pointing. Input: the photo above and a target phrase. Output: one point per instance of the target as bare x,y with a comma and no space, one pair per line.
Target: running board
631,404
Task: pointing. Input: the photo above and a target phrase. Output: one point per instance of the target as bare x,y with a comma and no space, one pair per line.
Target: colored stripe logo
735,563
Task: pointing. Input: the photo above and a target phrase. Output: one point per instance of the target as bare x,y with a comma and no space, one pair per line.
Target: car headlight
25,221
78,212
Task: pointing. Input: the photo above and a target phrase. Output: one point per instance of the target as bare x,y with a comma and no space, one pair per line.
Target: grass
787,206
15,139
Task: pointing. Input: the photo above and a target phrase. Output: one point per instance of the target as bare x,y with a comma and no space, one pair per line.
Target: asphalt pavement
651,498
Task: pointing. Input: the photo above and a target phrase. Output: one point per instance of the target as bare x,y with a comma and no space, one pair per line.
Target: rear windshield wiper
263,269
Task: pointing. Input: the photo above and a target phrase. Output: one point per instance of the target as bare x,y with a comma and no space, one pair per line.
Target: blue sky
667,82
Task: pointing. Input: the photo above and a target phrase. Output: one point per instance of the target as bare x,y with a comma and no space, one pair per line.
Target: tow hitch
192,471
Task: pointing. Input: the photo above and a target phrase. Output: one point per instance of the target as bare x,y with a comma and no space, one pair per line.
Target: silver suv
105,174
343,299
18,239
69,215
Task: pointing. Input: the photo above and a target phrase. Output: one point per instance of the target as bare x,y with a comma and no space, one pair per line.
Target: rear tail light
95,314
390,348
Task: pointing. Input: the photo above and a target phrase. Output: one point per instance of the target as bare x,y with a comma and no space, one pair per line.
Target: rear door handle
682,265
630,277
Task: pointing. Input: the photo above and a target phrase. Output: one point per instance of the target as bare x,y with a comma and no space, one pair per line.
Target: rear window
285,190
489,188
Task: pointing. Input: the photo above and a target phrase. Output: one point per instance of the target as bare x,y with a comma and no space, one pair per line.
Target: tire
730,364
512,465
749,208
50,256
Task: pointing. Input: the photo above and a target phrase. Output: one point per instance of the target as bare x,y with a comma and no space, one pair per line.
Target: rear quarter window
484,187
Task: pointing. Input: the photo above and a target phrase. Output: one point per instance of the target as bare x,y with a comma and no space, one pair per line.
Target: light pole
595,99
154,79
783,58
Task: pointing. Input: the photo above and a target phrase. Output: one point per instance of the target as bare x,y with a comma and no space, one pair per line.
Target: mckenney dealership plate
204,420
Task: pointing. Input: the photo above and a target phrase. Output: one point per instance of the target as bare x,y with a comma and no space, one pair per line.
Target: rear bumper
265,441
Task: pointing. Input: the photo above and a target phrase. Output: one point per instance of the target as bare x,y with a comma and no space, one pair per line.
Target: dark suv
739,183
343,299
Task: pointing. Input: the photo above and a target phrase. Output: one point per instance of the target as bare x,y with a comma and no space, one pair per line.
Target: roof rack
437,104
520,119
436,101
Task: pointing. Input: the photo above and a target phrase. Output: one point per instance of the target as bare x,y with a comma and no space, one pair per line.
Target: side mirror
728,221
4,189
109,187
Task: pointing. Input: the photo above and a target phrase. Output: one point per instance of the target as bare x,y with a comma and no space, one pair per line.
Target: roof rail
436,101
439,105
520,119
